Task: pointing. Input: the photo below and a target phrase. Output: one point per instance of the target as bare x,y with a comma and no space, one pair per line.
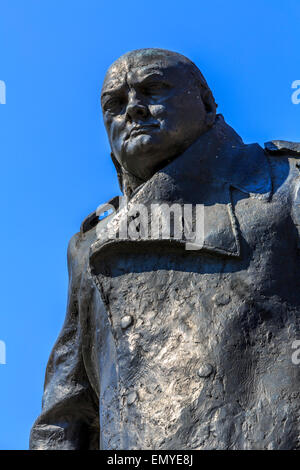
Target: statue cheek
115,127
157,110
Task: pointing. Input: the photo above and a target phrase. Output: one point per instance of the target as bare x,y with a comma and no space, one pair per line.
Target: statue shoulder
79,244
283,147
100,214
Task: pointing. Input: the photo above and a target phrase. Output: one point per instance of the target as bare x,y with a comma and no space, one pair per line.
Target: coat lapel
203,177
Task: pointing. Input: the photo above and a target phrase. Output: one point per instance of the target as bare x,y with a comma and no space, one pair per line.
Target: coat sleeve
69,419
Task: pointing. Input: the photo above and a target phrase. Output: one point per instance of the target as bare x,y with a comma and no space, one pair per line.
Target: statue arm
69,419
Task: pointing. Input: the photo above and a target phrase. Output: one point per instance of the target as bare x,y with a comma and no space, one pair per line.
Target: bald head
161,58
155,104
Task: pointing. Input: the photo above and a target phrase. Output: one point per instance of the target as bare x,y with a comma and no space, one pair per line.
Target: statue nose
136,110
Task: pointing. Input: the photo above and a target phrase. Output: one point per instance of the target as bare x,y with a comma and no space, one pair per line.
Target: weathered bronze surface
166,347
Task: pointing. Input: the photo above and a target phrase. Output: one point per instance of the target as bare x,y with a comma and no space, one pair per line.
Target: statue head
155,104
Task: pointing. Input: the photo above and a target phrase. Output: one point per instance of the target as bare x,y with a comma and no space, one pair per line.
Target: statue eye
154,88
114,105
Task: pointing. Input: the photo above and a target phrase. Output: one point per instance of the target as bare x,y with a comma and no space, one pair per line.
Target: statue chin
140,144
142,155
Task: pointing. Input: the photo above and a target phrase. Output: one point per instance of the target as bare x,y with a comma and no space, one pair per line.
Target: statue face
153,111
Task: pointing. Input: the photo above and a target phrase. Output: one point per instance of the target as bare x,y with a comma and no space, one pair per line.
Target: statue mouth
144,129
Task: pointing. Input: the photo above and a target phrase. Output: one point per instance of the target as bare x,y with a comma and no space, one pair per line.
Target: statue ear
119,170
210,106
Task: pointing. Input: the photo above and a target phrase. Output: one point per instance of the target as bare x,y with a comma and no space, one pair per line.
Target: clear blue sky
55,156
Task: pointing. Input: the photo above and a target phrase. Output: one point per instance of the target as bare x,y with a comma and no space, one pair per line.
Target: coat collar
203,175
218,155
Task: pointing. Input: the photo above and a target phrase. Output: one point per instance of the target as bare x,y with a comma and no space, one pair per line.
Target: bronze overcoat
169,348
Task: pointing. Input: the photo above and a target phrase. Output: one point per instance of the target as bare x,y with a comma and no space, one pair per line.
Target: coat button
205,370
126,321
131,397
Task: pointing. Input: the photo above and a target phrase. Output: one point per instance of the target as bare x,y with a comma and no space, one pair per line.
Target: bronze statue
168,345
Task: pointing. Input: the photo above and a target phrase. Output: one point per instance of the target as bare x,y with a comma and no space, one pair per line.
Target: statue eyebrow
151,73
111,91
153,76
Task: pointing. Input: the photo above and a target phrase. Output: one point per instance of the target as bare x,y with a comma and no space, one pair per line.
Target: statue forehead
142,62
